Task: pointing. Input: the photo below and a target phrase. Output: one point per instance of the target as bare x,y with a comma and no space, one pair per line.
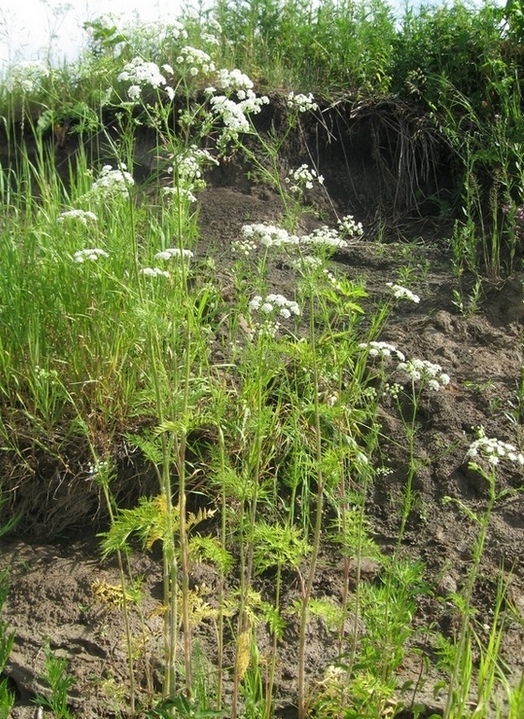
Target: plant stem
317,533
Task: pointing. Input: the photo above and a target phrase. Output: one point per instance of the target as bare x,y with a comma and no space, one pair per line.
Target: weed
515,413
485,455
468,305
7,639
59,682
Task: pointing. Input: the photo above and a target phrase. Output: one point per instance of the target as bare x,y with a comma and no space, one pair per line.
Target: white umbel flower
402,293
89,255
493,450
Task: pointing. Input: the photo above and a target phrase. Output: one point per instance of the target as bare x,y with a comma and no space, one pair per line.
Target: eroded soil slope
57,590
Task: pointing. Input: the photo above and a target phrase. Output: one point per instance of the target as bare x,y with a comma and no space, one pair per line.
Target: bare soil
56,577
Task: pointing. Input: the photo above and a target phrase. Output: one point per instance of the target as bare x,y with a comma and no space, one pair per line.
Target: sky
27,26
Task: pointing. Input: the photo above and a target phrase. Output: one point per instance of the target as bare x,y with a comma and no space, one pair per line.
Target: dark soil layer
57,577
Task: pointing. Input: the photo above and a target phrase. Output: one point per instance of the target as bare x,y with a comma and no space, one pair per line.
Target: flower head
301,103
234,81
382,349
349,228
134,92
268,235
493,450
195,60
424,371
303,178
324,237
154,272
83,216
178,30
402,293
112,183
187,166
140,72
174,253
271,309
235,115
89,255
27,76
274,303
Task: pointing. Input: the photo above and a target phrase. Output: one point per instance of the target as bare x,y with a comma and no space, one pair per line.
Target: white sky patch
50,29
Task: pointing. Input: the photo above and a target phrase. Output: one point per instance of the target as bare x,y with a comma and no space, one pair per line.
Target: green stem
221,586
467,594
273,663
125,607
306,594
247,562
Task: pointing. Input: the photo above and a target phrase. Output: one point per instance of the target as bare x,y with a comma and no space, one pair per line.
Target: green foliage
327,47
513,15
151,521
59,682
7,639
184,708
456,43
389,609
7,698
277,546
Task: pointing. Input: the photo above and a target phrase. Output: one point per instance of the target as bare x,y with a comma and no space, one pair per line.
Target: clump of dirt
63,593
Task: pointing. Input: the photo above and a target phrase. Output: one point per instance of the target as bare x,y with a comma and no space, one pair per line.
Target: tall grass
258,414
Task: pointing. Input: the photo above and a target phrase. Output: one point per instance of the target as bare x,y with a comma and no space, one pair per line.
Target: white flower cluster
402,293
27,76
214,26
231,113
196,60
310,261
332,279
189,165
494,450
301,103
425,371
274,303
393,390
92,255
139,72
382,349
303,178
234,114
83,216
210,39
112,182
268,235
243,247
153,272
324,236
235,81
46,377
348,227
178,31
180,193
98,467
174,253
